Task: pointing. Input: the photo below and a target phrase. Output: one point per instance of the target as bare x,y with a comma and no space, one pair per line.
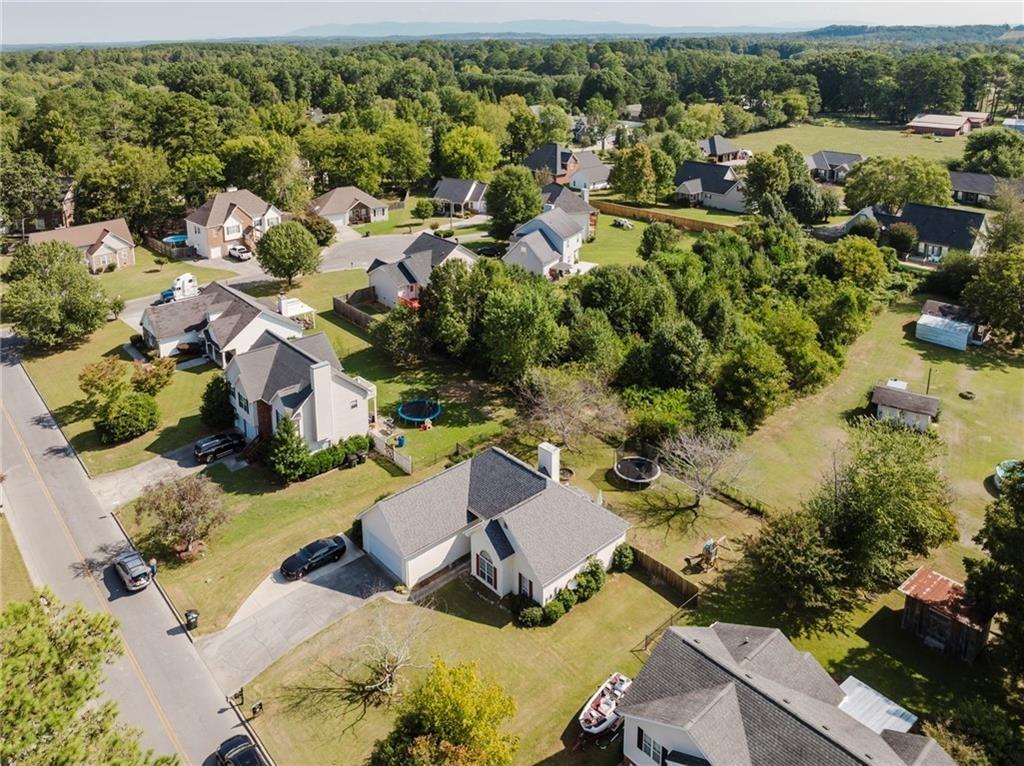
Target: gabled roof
459,191
550,156
827,159
900,399
943,594
710,177
275,366
973,183
557,221
784,713
342,199
425,254
565,199
551,525
943,121
717,145
533,252
499,539
948,226
231,309
215,211
87,235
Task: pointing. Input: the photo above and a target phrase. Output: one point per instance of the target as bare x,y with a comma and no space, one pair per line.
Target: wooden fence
650,216
154,244
686,588
399,204
344,306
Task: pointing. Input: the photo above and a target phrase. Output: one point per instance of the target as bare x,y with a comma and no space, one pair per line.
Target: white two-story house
401,281
547,245
234,217
300,379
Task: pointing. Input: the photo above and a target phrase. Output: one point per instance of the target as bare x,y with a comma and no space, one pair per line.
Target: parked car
240,252
313,556
132,569
239,751
211,448
490,251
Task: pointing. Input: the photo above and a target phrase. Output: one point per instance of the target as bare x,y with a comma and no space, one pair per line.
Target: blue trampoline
419,410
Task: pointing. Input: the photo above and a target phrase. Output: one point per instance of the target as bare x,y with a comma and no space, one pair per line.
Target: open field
147,277
56,377
15,584
860,137
790,452
550,671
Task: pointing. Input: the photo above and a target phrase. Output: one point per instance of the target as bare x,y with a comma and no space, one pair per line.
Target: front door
264,422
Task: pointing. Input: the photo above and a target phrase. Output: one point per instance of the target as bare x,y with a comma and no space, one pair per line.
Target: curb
252,732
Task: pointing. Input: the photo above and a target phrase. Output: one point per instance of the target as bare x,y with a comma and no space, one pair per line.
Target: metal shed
944,332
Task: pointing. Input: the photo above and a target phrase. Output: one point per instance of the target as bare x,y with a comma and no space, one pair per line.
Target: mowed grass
402,221
267,523
56,377
617,247
673,208
791,452
860,137
15,584
147,277
549,671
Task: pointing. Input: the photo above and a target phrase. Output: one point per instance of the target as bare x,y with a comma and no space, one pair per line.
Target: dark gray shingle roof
558,221
565,199
498,539
948,226
899,399
550,156
716,146
712,177
826,159
459,190
274,365
973,183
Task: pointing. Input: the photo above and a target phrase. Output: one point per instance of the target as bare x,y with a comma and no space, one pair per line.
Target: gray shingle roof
916,749
85,235
552,526
827,159
459,190
781,725
948,226
565,199
216,210
887,396
550,156
558,221
716,146
498,539
274,365
341,199
712,177
425,254
533,252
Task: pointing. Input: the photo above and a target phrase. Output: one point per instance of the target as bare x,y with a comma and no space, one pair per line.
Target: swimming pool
175,239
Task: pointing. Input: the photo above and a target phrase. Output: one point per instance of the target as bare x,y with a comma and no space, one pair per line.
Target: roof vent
786,700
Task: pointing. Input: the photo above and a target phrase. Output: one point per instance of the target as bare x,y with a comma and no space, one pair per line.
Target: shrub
323,231
288,453
890,257
568,598
126,417
358,443
902,237
622,559
138,341
434,226
586,587
532,616
445,233
318,463
553,611
216,410
152,377
865,227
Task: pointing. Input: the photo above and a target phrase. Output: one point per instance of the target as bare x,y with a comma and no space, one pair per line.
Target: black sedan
211,448
313,556
239,751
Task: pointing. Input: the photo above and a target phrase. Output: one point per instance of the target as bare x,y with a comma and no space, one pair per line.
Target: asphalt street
161,684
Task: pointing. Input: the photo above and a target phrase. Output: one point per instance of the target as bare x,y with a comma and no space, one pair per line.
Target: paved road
240,652
360,253
67,538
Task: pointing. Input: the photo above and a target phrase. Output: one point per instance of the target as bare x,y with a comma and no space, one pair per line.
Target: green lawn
860,137
549,671
56,377
682,211
400,221
15,584
146,277
790,452
617,246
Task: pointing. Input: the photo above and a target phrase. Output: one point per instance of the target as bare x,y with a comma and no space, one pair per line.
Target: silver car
133,570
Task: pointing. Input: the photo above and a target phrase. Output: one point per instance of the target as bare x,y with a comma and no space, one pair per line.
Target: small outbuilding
946,324
939,612
893,401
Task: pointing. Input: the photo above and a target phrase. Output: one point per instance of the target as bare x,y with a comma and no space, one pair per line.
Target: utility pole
928,388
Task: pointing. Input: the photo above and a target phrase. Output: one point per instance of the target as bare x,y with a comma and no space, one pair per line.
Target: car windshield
133,563
312,549
209,441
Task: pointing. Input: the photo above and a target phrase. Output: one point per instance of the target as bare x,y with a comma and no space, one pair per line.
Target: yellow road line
96,588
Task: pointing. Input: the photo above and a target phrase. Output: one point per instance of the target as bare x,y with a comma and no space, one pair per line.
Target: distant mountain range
526,28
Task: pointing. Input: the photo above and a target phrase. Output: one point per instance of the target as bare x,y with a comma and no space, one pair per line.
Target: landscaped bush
152,377
590,580
445,233
356,533
902,237
865,227
138,341
568,598
126,417
531,616
216,410
553,611
622,558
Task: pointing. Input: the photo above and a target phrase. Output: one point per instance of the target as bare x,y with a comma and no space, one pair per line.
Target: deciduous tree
998,151
288,250
895,181
469,152
633,176
569,404
186,510
512,199
704,460
997,292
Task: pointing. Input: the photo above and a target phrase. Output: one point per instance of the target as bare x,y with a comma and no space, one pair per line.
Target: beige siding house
234,217
104,245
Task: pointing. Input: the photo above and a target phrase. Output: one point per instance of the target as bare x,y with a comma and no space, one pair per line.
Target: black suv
211,448
239,751
313,556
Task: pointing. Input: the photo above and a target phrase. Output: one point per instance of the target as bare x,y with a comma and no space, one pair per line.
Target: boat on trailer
599,715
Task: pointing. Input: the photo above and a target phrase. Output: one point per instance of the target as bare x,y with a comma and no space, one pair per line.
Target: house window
649,747
525,586
233,230
355,404
196,230
243,403
485,569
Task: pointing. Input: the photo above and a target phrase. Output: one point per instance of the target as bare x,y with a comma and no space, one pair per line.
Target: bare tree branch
569,404
702,460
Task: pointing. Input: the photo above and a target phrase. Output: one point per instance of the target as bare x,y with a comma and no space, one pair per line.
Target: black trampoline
419,410
637,470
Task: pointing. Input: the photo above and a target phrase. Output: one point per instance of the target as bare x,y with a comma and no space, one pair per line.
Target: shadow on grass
988,357
261,288
468,599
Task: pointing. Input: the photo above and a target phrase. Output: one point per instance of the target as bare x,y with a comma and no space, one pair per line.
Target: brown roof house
719,149
893,401
348,206
940,124
104,245
939,612
234,217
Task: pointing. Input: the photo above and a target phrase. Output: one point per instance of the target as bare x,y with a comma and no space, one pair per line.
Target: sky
41,22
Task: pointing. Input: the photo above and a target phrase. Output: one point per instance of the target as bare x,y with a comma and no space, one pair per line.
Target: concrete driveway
243,650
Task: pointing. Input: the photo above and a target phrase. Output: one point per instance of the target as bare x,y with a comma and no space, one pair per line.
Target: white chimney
280,303
323,401
231,189
549,460
585,193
